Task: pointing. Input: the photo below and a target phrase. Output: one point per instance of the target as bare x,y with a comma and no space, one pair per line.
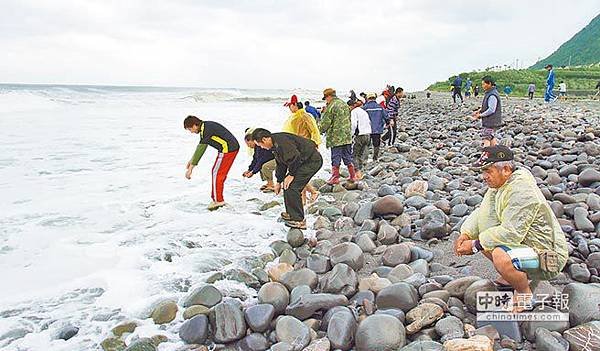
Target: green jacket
335,123
517,214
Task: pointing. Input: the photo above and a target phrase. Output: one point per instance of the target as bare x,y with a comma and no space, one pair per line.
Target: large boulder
258,317
422,316
387,234
274,294
194,330
307,305
588,177
165,312
435,225
585,337
341,329
292,331
388,205
206,295
340,280
227,322
457,287
583,302
400,295
396,254
348,253
365,211
303,276
380,332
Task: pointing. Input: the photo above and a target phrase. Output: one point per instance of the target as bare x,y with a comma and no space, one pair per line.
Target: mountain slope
583,48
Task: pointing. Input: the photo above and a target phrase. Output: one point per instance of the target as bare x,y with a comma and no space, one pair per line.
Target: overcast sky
276,44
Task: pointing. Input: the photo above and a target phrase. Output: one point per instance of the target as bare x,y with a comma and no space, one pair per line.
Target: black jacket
291,151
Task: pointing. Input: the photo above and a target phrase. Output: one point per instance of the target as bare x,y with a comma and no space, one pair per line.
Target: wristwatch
474,249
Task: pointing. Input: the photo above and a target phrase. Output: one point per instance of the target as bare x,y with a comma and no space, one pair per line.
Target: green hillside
581,81
583,48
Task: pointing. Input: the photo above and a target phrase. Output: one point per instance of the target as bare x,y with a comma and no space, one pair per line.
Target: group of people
514,227
457,87
293,154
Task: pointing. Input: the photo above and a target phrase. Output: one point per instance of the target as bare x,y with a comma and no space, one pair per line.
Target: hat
493,154
548,65
293,101
371,95
328,92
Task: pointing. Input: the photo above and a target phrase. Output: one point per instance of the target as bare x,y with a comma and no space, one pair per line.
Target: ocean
98,221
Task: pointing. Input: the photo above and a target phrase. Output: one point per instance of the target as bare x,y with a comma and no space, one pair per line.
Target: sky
276,44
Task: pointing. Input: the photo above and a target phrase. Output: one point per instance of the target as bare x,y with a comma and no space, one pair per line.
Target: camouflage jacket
336,123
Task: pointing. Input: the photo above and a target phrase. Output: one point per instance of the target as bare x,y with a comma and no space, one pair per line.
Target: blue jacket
260,157
377,115
550,80
313,111
457,82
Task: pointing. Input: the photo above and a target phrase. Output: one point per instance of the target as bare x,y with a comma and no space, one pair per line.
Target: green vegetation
581,81
582,49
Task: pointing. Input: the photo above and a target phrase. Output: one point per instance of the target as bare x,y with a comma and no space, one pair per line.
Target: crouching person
298,160
514,226
263,162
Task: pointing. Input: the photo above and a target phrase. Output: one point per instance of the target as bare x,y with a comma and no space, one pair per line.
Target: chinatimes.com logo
507,306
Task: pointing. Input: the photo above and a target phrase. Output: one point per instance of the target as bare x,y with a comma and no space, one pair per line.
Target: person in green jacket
514,226
337,126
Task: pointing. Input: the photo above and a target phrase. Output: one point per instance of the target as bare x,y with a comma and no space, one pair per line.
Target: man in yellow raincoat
302,124
514,226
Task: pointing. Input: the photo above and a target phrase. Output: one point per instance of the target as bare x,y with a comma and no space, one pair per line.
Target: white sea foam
97,220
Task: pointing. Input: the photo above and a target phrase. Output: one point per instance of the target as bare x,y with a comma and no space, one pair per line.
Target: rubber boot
352,171
335,175
375,153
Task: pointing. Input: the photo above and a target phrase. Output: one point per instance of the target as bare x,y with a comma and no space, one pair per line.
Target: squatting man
514,227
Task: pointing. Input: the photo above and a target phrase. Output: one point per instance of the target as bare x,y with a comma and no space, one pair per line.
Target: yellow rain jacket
303,124
517,215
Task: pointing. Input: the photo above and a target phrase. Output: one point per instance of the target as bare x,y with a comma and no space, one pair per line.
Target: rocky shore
377,271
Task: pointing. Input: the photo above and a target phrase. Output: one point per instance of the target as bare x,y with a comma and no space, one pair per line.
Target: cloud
275,44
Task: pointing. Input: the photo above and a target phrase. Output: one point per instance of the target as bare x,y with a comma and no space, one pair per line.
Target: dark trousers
339,153
393,131
456,92
530,95
360,150
292,196
376,140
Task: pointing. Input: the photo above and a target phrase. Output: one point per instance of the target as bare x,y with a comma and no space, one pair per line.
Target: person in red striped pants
219,137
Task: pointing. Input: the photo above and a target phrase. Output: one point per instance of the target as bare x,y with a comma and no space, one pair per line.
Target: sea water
97,221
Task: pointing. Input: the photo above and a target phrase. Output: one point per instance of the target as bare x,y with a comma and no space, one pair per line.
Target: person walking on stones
457,89
514,227
531,90
302,124
490,112
468,88
298,160
476,91
263,162
378,118
562,90
219,137
392,109
361,129
336,125
549,96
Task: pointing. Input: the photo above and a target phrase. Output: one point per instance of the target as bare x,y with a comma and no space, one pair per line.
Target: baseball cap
548,65
328,92
293,101
371,95
493,154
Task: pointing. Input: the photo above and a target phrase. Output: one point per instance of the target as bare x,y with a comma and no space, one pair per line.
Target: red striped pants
220,169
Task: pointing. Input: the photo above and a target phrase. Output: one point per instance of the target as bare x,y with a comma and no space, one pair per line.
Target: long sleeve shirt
217,136
260,157
550,79
361,123
290,151
492,104
392,107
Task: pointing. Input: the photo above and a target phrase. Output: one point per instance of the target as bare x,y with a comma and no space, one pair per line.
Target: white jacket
360,118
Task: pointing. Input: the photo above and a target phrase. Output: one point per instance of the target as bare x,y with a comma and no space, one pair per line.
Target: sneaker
216,205
296,224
